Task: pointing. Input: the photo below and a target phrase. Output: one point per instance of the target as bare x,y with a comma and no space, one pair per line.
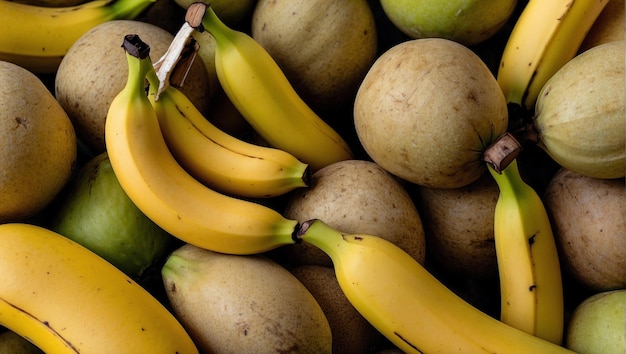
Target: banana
546,35
217,159
168,194
38,38
261,92
66,299
528,263
407,304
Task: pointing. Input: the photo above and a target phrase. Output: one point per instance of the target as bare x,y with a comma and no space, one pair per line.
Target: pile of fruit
320,176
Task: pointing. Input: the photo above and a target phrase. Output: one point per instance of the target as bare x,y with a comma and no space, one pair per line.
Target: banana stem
502,152
129,9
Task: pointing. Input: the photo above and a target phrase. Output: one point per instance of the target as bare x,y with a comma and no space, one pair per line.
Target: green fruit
467,22
97,213
597,324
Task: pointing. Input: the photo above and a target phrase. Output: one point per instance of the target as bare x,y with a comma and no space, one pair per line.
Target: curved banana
546,36
407,304
218,159
164,191
261,92
528,264
66,299
37,37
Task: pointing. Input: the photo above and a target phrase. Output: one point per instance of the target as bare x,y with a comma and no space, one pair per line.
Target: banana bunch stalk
260,91
528,263
547,35
167,193
408,305
38,38
66,299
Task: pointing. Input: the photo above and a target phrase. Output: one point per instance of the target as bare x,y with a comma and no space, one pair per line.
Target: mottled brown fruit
37,145
358,197
588,219
426,111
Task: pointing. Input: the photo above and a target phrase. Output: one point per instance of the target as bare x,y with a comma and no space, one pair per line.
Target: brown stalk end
502,152
134,46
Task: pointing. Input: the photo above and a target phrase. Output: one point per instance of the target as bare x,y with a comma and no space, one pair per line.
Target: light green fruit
580,114
427,110
243,304
598,324
97,213
467,22
37,144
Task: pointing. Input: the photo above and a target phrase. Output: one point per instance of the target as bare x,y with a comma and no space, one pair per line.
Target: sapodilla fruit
579,115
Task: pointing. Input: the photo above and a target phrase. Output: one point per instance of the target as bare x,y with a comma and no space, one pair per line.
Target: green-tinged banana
164,191
528,263
546,35
410,306
220,160
37,37
66,299
261,92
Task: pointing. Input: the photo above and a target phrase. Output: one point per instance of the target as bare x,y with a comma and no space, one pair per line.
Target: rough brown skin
459,227
427,109
357,197
324,47
243,304
351,333
587,216
94,70
37,145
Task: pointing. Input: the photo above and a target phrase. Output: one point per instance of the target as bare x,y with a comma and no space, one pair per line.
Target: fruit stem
502,152
134,46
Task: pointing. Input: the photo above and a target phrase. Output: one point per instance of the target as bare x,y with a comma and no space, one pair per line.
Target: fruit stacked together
200,189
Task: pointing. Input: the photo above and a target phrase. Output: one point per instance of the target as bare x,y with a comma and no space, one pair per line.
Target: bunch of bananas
191,179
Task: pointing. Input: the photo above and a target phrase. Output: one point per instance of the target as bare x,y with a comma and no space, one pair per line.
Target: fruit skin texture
407,304
589,219
597,325
324,68
96,212
467,22
580,113
94,71
243,304
426,111
458,224
67,299
37,145
357,196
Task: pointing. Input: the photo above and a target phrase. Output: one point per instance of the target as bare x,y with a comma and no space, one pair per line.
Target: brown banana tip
502,152
195,14
134,46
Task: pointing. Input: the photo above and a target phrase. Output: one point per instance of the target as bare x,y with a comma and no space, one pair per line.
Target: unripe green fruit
97,213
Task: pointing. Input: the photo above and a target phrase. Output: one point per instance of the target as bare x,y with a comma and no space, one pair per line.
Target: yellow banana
66,299
164,191
38,38
261,92
407,304
528,263
545,37
218,159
